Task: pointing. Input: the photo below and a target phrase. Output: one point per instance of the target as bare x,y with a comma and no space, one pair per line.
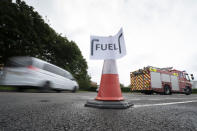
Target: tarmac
66,112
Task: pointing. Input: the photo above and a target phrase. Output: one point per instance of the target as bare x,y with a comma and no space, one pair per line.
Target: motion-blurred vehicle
28,72
161,80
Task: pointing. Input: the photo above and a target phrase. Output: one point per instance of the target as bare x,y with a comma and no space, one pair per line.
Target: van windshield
53,69
69,76
58,71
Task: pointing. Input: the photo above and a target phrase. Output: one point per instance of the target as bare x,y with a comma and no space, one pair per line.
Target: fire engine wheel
167,90
188,90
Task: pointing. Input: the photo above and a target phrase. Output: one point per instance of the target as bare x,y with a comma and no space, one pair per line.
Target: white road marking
157,99
172,98
163,104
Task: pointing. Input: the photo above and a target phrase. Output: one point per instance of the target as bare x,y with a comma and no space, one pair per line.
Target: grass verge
7,88
194,91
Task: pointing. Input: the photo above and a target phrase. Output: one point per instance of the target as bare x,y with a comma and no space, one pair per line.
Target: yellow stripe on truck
151,69
175,74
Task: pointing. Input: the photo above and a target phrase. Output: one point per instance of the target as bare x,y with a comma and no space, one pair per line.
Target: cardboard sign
112,47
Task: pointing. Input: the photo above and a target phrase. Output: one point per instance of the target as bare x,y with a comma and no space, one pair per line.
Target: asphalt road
66,111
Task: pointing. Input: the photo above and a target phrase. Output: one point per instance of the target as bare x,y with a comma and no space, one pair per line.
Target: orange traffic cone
109,95
109,85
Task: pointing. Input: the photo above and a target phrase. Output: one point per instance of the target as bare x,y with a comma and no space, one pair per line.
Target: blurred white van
32,72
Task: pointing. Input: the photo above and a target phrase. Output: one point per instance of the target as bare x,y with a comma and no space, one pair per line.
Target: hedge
194,91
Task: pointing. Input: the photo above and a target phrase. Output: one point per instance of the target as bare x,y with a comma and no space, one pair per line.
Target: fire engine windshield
187,77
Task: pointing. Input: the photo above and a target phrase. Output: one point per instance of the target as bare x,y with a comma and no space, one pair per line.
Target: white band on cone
109,67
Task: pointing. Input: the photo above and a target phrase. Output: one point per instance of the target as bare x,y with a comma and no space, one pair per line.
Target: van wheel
58,91
167,90
46,87
188,90
74,89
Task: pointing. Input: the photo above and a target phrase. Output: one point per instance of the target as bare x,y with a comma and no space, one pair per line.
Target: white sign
112,47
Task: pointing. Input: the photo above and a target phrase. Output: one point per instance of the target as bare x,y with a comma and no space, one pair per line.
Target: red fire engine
161,80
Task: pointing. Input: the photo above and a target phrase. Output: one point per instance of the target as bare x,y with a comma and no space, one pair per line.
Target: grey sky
159,33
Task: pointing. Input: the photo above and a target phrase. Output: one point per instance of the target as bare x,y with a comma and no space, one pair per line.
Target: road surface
66,111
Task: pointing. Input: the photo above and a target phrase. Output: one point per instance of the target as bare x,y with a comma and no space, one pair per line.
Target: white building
194,84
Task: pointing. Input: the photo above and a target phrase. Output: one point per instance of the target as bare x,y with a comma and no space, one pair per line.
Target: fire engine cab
161,80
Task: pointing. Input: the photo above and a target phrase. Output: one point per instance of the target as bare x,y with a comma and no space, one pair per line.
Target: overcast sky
161,33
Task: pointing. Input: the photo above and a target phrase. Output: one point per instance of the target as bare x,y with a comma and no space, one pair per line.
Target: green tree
23,32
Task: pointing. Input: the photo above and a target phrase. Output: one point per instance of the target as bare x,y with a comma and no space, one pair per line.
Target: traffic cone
109,95
109,85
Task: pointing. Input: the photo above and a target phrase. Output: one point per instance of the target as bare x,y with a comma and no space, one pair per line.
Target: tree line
23,32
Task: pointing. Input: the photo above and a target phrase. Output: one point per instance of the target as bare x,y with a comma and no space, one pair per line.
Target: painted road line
172,98
158,99
164,104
